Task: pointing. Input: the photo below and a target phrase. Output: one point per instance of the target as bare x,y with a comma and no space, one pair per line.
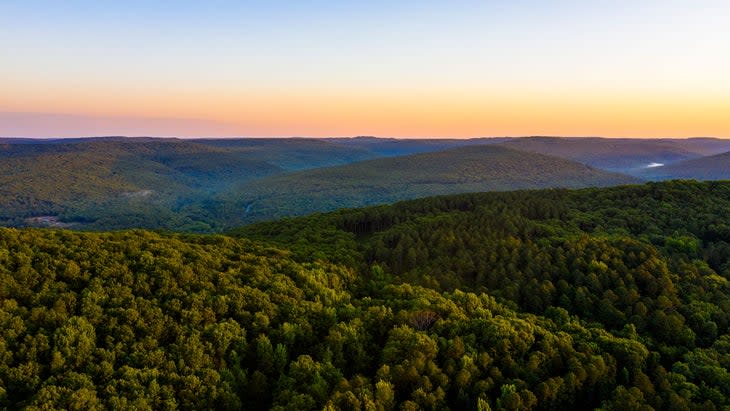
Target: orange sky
400,69
403,114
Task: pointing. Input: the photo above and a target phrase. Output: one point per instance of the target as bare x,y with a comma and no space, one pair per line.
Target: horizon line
88,137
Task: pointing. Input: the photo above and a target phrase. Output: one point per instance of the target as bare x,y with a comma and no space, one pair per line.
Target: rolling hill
207,184
716,167
292,154
387,147
626,155
464,169
118,180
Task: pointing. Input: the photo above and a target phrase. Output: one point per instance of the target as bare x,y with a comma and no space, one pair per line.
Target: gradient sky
651,68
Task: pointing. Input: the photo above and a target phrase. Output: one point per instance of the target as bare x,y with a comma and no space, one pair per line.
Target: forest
214,185
612,298
386,180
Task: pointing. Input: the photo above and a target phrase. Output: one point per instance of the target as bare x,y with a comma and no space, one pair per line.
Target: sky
650,68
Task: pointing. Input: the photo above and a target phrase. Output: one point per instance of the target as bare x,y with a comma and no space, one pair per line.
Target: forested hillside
203,185
387,147
715,167
135,320
650,263
385,180
112,183
116,182
210,185
293,154
615,298
626,155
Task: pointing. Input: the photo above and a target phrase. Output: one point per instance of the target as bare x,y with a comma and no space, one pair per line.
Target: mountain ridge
713,167
462,169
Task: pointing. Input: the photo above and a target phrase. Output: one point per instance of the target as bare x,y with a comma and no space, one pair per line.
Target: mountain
294,154
716,167
464,169
626,155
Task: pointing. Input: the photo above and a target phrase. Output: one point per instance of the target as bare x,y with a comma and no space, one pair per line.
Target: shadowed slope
624,155
465,169
715,167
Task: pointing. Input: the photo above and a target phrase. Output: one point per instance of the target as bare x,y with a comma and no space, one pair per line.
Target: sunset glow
416,69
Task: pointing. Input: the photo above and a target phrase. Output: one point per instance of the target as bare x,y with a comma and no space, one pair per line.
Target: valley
210,185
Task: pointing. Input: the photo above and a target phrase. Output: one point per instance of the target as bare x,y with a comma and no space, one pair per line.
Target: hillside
207,185
292,154
615,298
139,320
626,155
715,167
386,147
648,262
119,182
464,169
123,182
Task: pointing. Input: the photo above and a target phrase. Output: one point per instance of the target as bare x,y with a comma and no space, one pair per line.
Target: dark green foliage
135,319
138,320
648,263
612,298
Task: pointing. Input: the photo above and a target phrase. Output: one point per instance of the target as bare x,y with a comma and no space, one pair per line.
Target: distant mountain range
85,180
207,185
625,155
716,167
385,180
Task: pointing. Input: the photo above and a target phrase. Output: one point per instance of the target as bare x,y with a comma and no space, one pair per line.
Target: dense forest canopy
613,298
